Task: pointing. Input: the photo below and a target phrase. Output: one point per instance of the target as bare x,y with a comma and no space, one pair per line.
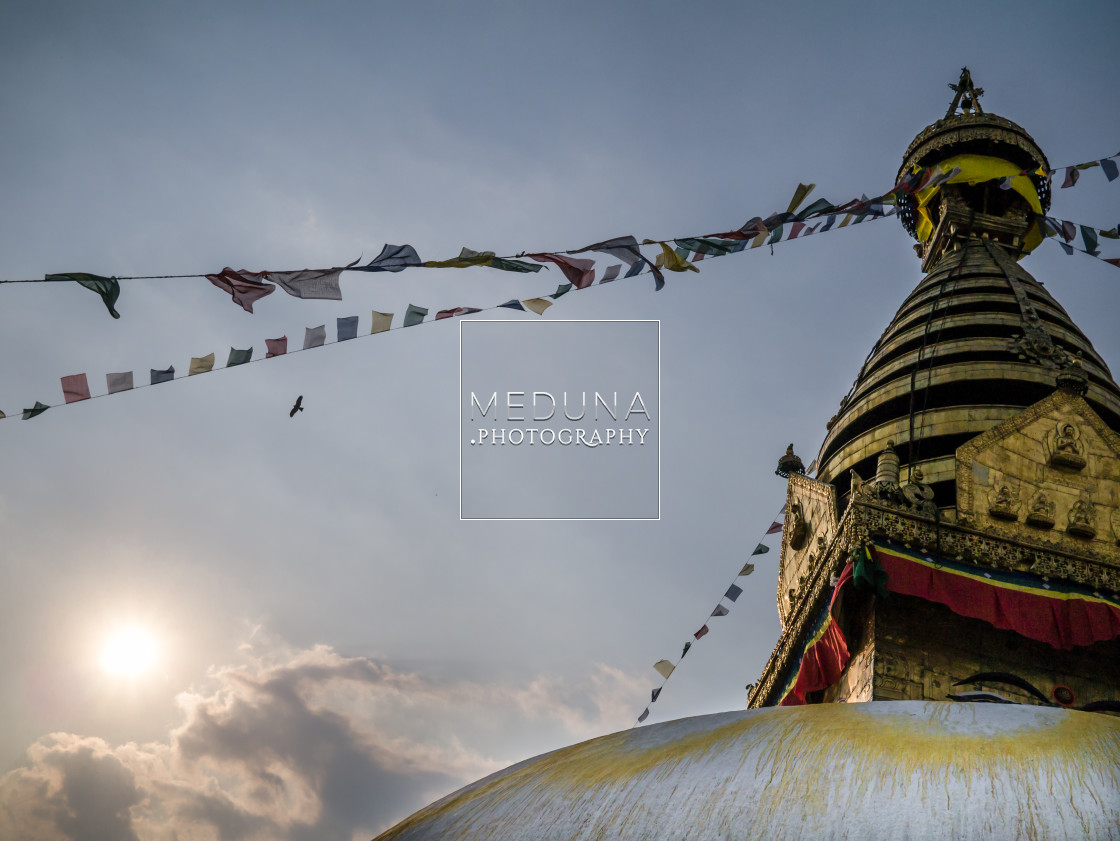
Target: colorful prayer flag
467,257
1072,174
664,668
275,347
513,305
239,357
703,631
201,365
393,258
654,694
644,715
1111,171
775,527
687,646
671,260
414,314
747,569
720,610
164,376
37,409
245,287
382,321
610,274
1089,237
312,283
75,388
622,248
580,272
537,305
799,196
733,592
347,328
109,288
561,290
760,549
119,382
456,311
314,336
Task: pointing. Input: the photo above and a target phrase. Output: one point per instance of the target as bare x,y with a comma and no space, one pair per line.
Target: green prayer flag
1089,237
562,289
414,315
507,265
687,646
37,409
238,357
108,288
866,573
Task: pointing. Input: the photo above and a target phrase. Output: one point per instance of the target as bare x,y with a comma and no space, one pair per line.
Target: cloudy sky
329,647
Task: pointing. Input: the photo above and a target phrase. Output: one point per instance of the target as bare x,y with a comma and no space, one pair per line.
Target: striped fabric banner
1060,614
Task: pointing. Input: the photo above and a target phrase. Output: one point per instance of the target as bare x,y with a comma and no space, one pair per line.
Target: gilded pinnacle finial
789,463
967,95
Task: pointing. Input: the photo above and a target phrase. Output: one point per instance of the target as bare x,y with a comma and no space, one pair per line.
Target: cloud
308,745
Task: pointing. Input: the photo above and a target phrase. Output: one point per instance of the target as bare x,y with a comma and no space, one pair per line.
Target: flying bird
296,408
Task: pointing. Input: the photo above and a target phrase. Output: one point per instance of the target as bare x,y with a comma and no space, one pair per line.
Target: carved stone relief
1066,449
1040,511
1049,476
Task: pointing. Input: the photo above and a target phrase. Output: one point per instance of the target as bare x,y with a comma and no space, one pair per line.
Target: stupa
954,566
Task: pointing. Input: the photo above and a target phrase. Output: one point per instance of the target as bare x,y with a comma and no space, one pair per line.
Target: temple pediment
809,526
1049,476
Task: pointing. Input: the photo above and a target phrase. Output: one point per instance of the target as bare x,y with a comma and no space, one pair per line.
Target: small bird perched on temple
296,408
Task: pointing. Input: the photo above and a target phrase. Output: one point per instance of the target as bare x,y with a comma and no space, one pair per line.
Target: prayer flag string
666,668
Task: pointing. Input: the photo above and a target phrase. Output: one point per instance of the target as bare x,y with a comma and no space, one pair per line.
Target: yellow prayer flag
382,321
664,668
673,261
537,305
466,258
201,364
799,196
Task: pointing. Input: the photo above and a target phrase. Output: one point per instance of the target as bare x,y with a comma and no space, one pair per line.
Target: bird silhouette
296,408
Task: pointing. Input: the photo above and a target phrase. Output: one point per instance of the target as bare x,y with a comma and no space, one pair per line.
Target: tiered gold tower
981,435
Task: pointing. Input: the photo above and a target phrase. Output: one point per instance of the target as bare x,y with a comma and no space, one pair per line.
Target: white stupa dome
883,770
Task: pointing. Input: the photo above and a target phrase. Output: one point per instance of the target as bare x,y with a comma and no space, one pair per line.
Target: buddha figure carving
1082,519
1068,450
1040,512
799,526
1002,503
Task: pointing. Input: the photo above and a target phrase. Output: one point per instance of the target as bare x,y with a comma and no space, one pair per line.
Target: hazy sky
333,647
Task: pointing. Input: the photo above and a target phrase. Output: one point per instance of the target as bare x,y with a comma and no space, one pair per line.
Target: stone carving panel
1049,476
809,526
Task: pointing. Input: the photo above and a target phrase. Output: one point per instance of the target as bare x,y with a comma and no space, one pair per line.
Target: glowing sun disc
129,651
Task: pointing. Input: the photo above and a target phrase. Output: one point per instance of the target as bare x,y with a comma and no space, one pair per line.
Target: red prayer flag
581,273
243,285
451,313
75,388
703,630
775,527
276,347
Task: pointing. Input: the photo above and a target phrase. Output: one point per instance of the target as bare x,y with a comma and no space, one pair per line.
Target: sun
128,652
